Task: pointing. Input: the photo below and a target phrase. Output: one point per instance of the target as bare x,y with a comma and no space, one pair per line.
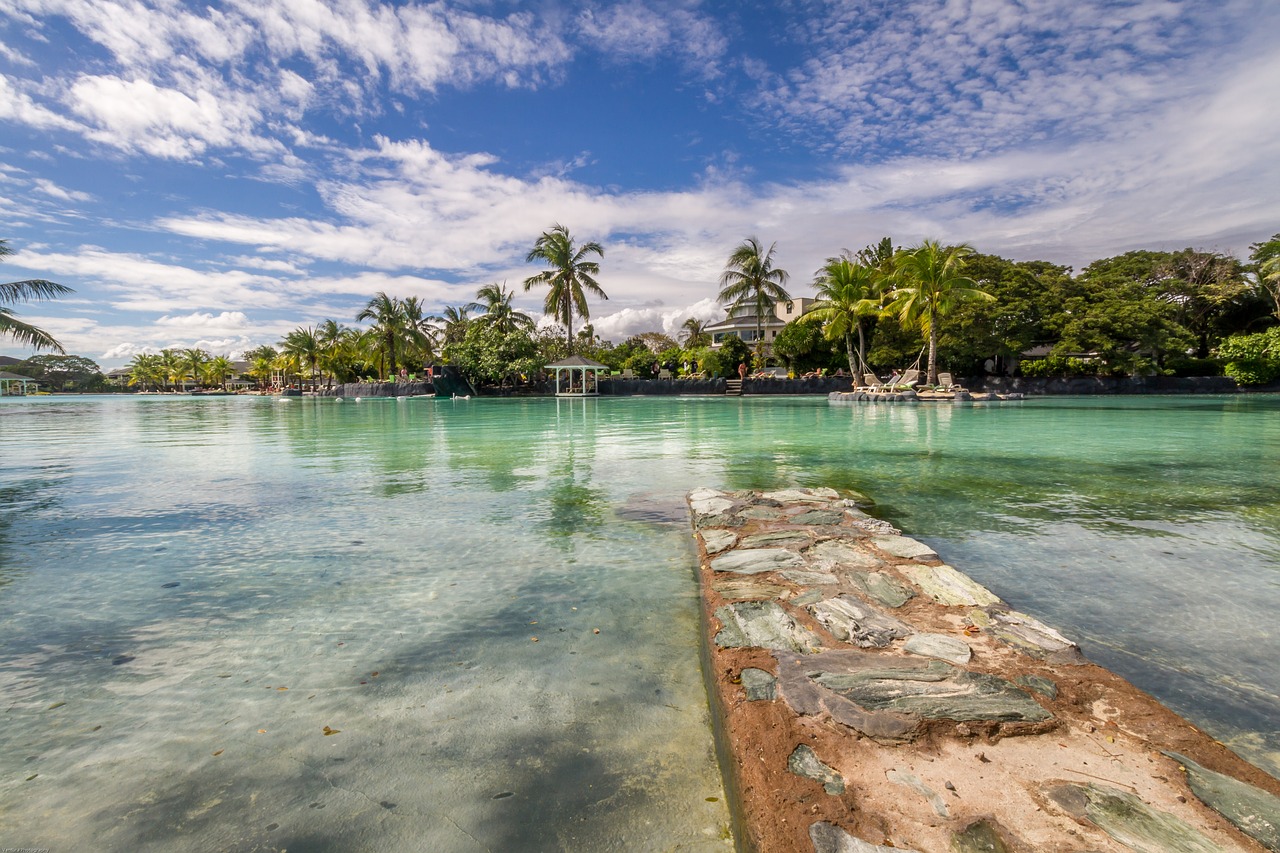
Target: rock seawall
873,698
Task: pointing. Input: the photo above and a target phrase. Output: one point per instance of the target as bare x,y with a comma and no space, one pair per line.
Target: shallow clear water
314,544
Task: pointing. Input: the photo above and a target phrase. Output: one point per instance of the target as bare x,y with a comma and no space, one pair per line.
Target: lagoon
193,589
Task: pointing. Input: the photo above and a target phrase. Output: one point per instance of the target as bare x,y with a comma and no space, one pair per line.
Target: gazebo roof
578,361
4,374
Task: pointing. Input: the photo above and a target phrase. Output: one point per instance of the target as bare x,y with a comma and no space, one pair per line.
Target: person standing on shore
742,370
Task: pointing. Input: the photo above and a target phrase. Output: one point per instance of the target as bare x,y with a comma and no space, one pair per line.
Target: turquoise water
167,565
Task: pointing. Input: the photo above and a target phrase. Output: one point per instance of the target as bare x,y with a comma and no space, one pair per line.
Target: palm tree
171,366
848,293
420,331
330,336
217,370
387,314
303,345
191,363
495,301
455,322
569,278
31,290
750,278
930,283
145,370
693,333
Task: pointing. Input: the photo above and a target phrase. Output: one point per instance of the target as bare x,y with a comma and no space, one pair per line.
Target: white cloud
52,190
204,321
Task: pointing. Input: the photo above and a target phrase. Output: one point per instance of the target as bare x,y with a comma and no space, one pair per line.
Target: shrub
1252,359
1187,366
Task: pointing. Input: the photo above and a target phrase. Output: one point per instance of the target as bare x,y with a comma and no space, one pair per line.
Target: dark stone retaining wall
617,387
1093,385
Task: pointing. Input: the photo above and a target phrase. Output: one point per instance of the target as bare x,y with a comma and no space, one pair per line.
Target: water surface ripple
192,590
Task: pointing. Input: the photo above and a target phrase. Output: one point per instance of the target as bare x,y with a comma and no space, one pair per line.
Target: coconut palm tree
454,323
303,345
570,278
387,314
170,365
146,370
217,370
419,330
693,333
930,282
848,293
31,290
191,362
494,300
750,278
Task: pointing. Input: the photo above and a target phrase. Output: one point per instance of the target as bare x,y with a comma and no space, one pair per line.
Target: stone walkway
874,698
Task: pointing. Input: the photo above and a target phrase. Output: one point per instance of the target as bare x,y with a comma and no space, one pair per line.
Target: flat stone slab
762,513
711,506
802,495
881,587
763,624
839,554
718,540
759,685
904,547
934,691
810,578
1130,821
777,539
748,588
939,646
852,621
818,517
947,586
807,697
1255,812
805,762
829,838
753,561
1028,634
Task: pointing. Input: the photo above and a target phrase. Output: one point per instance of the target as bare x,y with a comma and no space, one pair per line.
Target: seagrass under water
194,591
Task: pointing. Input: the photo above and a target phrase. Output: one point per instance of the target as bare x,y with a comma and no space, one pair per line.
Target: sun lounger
664,374
945,383
870,383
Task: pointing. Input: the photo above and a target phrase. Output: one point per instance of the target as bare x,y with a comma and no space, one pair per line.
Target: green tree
930,283
1266,261
693,333
191,362
803,346
303,345
171,364
848,293
751,279
31,290
1203,286
217,370
724,361
570,278
420,332
388,318
1252,359
455,321
146,369
63,372
1115,310
261,363
494,302
487,355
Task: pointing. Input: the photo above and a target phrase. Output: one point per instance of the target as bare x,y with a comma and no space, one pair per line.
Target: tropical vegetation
31,290
751,280
570,277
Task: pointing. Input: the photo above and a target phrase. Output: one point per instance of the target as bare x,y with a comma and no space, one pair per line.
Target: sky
217,175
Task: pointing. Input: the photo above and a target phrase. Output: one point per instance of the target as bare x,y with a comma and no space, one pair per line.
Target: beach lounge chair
870,383
910,379
628,373
664,374
945,383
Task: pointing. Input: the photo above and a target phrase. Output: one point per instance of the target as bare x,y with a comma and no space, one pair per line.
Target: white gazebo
577,376
13,385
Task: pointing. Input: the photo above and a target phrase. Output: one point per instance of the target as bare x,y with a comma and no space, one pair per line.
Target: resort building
742,322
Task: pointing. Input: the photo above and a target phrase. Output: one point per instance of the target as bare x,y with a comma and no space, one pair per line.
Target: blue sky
217,176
